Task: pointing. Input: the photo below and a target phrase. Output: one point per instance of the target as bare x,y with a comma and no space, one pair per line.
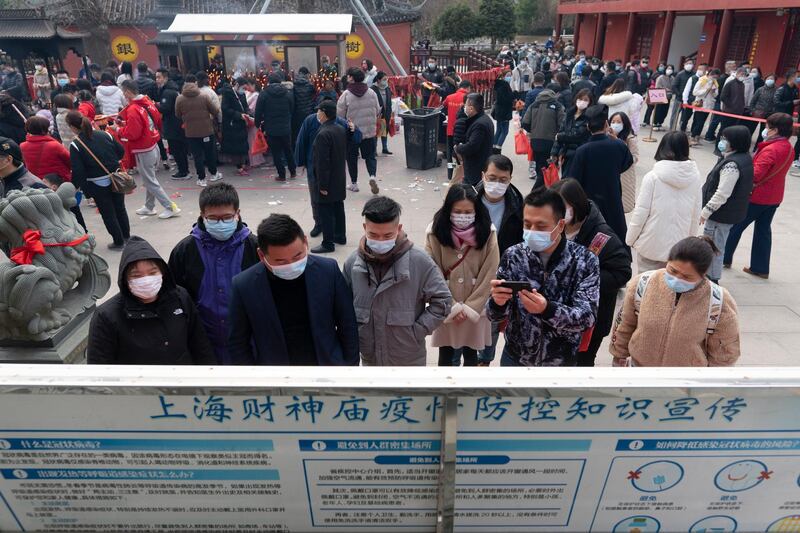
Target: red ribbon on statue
33,245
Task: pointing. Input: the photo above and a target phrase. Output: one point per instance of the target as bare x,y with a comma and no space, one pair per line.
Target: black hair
304,71
77,120
357,74
142,67
369,63
53,178
674,146
465,85
573,194
562,78
85,96
62,101
583,93
190,78
781,122
598,118
381,209
83,84
611,66
627,127
62,71
715,72
107,76
738,138
379,75
219,194
699,251
476,101
130,86
328,110
538,78
126,68
37,125
241,80
442,227
500,162
278,230
202,78
617,87
540,197
163,71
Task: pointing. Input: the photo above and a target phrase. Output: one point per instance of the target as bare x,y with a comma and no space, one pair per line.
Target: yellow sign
213,51
354,46
277,50
124,48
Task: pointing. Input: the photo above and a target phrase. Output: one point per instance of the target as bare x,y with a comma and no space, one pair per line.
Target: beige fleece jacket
671,331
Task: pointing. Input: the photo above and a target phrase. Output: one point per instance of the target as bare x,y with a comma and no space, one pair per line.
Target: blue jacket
530,98
256,336
304,149
571,285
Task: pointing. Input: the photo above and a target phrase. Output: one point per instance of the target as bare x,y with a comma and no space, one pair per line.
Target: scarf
381,263
463,237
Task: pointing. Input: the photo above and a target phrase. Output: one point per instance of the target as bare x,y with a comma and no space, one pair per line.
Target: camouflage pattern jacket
571,284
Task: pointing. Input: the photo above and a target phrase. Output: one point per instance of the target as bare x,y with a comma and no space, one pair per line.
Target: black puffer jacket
234,127
171,126
304,93
477,146
12,125
574,133
147,86
274,110
169,331
503,101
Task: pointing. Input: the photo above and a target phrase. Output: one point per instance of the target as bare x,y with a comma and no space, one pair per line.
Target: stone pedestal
67,346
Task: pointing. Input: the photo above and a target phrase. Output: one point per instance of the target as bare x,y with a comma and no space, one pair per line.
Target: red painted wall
768,41
616,29
588,27
568,7
140,34
705,51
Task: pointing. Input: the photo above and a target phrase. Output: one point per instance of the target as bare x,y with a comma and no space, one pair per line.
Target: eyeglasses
227,219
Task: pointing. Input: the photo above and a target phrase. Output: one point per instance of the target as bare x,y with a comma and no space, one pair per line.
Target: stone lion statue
48,273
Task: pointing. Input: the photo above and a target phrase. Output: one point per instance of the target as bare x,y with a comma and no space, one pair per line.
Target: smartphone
517,286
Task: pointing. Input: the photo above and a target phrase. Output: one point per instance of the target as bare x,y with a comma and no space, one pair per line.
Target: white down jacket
110,99
625,102
667,209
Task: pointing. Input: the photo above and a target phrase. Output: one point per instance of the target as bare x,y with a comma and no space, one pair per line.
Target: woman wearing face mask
618,99
502,109
675,316
381,88
91,178
574,131
151,321
620,127
463,244
62,104
587,227
762,104
664,81
758,79
668,206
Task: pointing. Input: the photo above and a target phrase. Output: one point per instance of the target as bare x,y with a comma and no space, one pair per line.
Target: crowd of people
543,267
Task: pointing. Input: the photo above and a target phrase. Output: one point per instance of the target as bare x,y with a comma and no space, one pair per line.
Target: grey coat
395,316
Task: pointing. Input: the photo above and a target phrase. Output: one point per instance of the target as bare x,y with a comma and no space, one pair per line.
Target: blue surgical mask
219,229
508,79
722,145
290,271
765,134
769,82
62,82
537,241
381,247
678,285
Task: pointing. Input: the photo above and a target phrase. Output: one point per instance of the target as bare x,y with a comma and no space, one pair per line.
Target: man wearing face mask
14,83
399,293
546,321
218,247
679,83
291,308
151,321
14,175
521,79
433,74
478,139
733,101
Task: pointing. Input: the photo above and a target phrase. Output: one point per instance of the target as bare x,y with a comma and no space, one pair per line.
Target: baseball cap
10,147
328,107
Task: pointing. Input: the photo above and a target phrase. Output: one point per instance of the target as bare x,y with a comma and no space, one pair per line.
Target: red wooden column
629,37
666,38
599,35
557,29
724,39
577,33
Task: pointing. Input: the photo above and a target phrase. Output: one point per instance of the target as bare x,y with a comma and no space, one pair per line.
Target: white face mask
495,189
146,287
617,127
381,247
688,67
700,73
581,104
290,271
462,220
669,72
568,215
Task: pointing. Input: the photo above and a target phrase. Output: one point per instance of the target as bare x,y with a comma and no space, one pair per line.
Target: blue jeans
719,234
501,133
487,354
506,360
762,237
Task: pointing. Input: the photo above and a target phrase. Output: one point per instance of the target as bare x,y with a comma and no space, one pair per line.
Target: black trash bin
421,128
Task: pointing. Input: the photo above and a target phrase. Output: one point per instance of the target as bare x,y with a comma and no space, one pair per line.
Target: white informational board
358,449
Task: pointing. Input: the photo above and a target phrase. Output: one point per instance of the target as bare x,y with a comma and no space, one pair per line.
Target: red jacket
142,122
453,103
770,165
87,110
44,155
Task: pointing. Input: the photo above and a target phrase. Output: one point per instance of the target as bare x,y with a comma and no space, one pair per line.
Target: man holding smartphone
547,314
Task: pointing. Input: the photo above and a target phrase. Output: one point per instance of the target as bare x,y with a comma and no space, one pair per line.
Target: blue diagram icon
741,475
714,524
656,476
787,523
638,524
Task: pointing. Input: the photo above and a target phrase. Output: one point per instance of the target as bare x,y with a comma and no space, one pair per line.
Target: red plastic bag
259,144
551,175
585,339
521,143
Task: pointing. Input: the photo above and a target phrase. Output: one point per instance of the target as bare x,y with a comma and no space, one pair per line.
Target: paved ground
769,310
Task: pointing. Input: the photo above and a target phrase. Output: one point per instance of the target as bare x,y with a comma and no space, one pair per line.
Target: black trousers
331,215
726,122
686,114
79,216
367,147
112,209
162,149
698,122
660,114
180,152
716,120
587,358
281,148
205,154
446,354
648,114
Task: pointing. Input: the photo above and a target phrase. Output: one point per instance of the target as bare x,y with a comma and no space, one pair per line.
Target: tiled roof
138,11
29,24
396,17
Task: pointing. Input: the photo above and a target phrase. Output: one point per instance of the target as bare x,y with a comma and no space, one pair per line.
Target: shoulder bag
121,181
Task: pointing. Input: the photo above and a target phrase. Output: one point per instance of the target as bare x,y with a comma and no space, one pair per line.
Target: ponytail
78,121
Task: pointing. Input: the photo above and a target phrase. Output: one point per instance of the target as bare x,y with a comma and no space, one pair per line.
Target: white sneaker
353,187
373,185
215,177
169,213
796,164
202,183
144,211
